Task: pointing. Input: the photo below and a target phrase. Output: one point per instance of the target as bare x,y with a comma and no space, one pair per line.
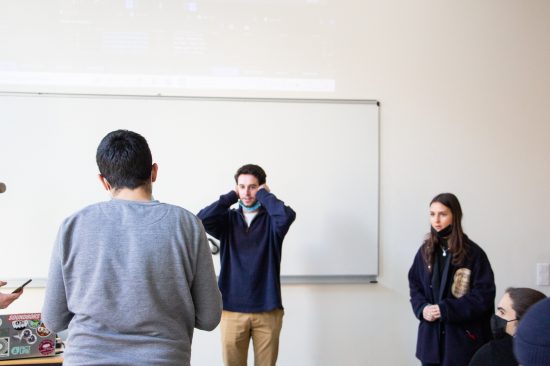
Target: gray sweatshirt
130,280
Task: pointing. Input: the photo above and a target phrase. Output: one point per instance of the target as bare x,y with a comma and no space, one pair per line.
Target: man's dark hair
252,169
124,159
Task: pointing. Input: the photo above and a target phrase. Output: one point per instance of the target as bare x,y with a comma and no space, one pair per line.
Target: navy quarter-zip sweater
250,256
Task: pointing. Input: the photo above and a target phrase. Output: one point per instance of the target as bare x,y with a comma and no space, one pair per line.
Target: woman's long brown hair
457,244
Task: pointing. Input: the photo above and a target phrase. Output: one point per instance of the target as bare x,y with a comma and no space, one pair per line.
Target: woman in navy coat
452,289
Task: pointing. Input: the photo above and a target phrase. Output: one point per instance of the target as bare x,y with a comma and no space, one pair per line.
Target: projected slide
166,47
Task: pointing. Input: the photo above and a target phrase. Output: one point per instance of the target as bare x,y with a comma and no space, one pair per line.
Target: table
54,360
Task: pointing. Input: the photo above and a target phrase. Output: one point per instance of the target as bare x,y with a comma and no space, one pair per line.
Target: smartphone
20,288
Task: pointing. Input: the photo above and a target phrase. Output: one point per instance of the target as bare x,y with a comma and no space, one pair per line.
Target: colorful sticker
31,339
4,347
21,350
33,324
42,331
26,333
46,347
19,324
29,316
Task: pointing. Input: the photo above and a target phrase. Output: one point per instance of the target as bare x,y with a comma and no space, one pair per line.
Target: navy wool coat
466,300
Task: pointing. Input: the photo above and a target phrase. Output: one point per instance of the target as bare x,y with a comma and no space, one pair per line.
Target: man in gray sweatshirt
131,277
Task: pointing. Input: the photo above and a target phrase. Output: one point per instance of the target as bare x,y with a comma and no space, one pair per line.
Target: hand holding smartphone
20,288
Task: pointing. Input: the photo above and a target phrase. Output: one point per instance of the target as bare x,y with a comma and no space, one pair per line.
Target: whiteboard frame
285,279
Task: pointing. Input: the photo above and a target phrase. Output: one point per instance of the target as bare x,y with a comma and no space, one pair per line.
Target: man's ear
104,182
154,171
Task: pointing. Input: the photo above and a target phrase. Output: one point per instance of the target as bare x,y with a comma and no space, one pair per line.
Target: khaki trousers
263,328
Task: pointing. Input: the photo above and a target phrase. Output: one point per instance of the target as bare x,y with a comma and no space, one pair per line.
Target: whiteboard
321,158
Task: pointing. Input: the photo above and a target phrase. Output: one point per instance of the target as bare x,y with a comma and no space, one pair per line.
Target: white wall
464,88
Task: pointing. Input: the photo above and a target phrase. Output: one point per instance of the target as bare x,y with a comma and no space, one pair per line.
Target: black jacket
465,320
499,352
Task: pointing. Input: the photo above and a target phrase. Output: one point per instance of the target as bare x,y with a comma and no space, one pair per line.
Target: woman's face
440,216
505,311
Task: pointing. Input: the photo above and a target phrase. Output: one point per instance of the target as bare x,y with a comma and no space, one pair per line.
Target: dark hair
523,298
457,245
124,159
252,169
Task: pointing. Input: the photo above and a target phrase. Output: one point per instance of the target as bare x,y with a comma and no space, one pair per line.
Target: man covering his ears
251,238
